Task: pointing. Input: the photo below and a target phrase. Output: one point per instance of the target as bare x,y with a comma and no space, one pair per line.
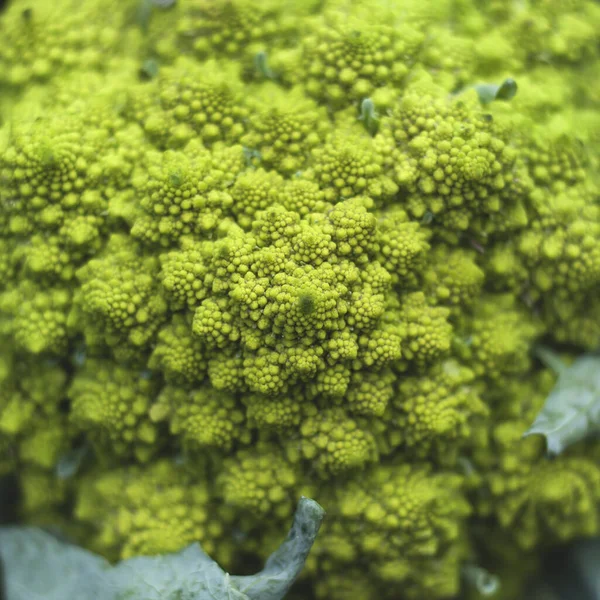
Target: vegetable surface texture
254,251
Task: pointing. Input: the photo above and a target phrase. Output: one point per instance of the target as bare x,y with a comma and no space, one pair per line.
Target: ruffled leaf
572,410
37,565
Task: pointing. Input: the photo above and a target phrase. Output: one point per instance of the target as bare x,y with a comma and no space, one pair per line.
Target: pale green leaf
586,555
488,92
369,116
572,410
487,584
261,62
37,566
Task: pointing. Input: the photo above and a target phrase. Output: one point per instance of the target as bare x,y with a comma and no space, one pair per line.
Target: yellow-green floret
251,251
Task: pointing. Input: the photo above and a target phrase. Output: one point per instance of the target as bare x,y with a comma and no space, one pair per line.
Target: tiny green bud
262,65
306,303
369,116
149,69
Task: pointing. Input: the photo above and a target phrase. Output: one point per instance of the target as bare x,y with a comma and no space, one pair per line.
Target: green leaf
586,555
487,584
572,410
488,92
37,566
69,464
149,69
369,116
261,62
285,564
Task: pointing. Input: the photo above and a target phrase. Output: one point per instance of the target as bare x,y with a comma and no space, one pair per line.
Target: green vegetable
295,258
36,564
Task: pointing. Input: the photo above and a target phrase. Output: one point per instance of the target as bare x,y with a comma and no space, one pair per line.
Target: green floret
454,278
42,41
47,258
497,341
226,372
559,251
352,228
202,417
562,34
33,428
561,248
259,481
555,162
438,414
346,583
452,161
369,392
284,126
452,56
279,413
331,382
252,192
303,196
302,302
264,371
213,27
334,443
183,271
408,523
57,180
305,362
119,300
280,64
402,246
37,318
506,269
576,323
8,261
285,293
313,243
185,194
520,398
228,259
340,346
111,403
47,173
178,354
539,501
345,60
274,227
350,165
188,102
213,324
384,345
146,511
426,329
